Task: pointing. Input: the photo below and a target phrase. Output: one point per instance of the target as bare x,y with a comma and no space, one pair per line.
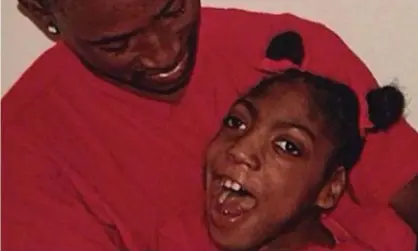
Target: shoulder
239,16
246,35
34,108
240,38
252,23
46,71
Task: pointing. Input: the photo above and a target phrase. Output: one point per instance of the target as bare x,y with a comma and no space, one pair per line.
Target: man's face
148,44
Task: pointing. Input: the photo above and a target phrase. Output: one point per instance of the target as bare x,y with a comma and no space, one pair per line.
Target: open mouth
173,73
230,202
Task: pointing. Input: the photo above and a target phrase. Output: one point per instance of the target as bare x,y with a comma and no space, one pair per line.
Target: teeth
166,74
223,197
233,185
228,184
236,187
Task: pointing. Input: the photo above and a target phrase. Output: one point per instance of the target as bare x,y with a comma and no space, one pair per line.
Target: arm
41,207
405,203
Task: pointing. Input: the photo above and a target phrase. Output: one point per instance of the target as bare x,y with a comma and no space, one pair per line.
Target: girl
280,162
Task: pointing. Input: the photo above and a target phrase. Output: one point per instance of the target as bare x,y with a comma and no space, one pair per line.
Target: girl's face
265,168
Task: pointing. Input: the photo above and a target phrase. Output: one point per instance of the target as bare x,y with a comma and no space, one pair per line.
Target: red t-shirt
188,233
88,166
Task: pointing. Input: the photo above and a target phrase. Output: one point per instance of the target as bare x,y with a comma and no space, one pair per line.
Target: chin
239,239
224,243
170,82
161,87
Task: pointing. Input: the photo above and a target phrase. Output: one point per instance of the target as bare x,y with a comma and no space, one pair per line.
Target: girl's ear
333,190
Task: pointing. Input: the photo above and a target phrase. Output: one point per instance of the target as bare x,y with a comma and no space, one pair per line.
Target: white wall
383,33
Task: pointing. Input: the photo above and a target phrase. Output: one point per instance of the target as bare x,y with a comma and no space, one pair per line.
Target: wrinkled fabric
187,232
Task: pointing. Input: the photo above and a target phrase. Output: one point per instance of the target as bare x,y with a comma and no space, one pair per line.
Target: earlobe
333,189
53,29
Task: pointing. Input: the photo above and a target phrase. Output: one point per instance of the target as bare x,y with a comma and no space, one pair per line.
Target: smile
231,203
174,73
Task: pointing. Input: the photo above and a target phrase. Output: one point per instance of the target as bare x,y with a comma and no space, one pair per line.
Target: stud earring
52,28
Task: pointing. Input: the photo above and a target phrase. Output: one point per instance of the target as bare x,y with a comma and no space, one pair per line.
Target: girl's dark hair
337,101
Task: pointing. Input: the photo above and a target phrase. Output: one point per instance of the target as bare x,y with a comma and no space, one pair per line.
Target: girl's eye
115,47
288,147
233,122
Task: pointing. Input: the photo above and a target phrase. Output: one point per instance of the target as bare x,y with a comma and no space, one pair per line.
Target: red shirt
88,166
187,233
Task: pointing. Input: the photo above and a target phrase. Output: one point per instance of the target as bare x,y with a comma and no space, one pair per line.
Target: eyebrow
281,124
125,35
114,38
249,105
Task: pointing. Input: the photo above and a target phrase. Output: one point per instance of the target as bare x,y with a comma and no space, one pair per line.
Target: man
101,139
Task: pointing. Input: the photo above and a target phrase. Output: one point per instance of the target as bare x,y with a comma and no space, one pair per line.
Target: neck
307,232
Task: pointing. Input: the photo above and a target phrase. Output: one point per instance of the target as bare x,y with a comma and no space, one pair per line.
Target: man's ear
36,9
39,13
333,189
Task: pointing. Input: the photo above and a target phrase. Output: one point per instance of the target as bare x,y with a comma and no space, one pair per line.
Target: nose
245,152
159,50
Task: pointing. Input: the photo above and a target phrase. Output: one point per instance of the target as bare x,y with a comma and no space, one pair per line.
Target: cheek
286,189
92,55
216,148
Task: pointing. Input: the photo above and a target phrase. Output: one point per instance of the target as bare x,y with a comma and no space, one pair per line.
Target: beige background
383,33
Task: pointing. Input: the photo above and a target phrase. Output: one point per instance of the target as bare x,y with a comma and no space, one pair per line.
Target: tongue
234,205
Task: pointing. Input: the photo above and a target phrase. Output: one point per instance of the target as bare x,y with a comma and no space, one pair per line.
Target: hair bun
386,106
286,45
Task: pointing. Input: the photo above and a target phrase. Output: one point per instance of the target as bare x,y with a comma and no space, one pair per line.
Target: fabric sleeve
41,207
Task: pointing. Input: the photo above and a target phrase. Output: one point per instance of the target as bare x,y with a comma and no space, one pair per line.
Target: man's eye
115,47
288,147
173,10
233,122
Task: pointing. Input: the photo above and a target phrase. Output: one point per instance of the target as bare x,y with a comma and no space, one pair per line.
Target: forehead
288,103
99,16
280,99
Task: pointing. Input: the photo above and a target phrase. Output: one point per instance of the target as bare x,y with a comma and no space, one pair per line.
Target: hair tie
274,66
